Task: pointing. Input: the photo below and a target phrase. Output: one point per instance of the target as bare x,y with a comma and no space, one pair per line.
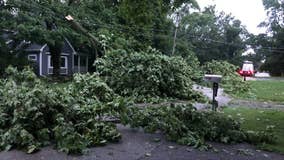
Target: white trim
49,60
66,62
62,54
65,54
40,59
48,63
40,63
41,49
74,52
8,42
34,59
51,67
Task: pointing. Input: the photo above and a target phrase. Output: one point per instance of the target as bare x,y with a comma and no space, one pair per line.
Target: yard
267,90
259,120
271,90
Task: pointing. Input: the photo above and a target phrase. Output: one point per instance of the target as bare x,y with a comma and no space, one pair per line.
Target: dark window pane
63,62
75,60
32,57
83,61
51,62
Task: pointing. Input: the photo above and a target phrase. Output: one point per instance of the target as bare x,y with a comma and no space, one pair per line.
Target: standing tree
44,22
275,23
148,21
213,35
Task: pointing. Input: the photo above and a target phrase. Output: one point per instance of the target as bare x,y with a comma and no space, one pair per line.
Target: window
32,57
63,62
83,61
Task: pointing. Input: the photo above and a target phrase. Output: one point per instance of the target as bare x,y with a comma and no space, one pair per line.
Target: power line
197,38
134,29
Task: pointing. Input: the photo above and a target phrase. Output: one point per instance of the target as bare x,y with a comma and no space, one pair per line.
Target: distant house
71,61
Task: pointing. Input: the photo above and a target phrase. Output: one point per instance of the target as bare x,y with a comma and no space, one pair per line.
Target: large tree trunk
55,52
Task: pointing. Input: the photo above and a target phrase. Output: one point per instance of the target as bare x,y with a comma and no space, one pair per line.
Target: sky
250,12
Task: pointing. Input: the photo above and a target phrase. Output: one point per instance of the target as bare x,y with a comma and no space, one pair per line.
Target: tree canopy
95,27
212,35
274,48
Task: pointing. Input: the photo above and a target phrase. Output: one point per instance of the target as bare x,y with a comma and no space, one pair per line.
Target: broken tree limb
79,28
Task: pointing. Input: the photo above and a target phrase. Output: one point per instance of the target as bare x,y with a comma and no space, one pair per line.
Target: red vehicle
247,69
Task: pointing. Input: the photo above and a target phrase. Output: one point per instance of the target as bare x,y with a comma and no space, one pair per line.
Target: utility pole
175,36
174,44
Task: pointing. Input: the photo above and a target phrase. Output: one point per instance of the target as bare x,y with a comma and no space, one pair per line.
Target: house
71,61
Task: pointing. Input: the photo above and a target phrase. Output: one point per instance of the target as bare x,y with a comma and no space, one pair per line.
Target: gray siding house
71,61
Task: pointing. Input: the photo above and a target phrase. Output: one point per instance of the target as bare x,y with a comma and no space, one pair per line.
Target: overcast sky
250,12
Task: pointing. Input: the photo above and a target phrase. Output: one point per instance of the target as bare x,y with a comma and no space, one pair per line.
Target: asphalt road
137,145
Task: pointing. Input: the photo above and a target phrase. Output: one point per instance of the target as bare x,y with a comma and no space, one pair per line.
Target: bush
33,115
145,75
185,125
231,81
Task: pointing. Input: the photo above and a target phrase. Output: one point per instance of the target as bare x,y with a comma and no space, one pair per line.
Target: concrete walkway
222,98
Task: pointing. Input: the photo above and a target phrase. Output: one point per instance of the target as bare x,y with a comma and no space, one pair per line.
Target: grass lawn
257,120
267,90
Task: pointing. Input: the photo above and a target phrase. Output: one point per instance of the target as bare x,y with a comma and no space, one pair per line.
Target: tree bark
55,52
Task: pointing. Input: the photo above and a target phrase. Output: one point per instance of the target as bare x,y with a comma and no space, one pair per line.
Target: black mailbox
215,79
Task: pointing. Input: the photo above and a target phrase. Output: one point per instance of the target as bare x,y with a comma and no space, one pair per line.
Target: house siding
44,61
37,62
70,64
43,53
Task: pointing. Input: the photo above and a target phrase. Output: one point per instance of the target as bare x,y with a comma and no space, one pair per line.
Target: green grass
258,120
267,90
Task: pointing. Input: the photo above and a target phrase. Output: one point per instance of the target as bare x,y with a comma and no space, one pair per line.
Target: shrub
145,75
185,125
32,114
231,81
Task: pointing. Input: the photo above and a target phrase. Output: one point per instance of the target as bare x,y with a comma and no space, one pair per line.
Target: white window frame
64,57
32,59
51,67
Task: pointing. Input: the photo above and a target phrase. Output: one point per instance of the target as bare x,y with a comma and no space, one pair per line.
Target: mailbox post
215,79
